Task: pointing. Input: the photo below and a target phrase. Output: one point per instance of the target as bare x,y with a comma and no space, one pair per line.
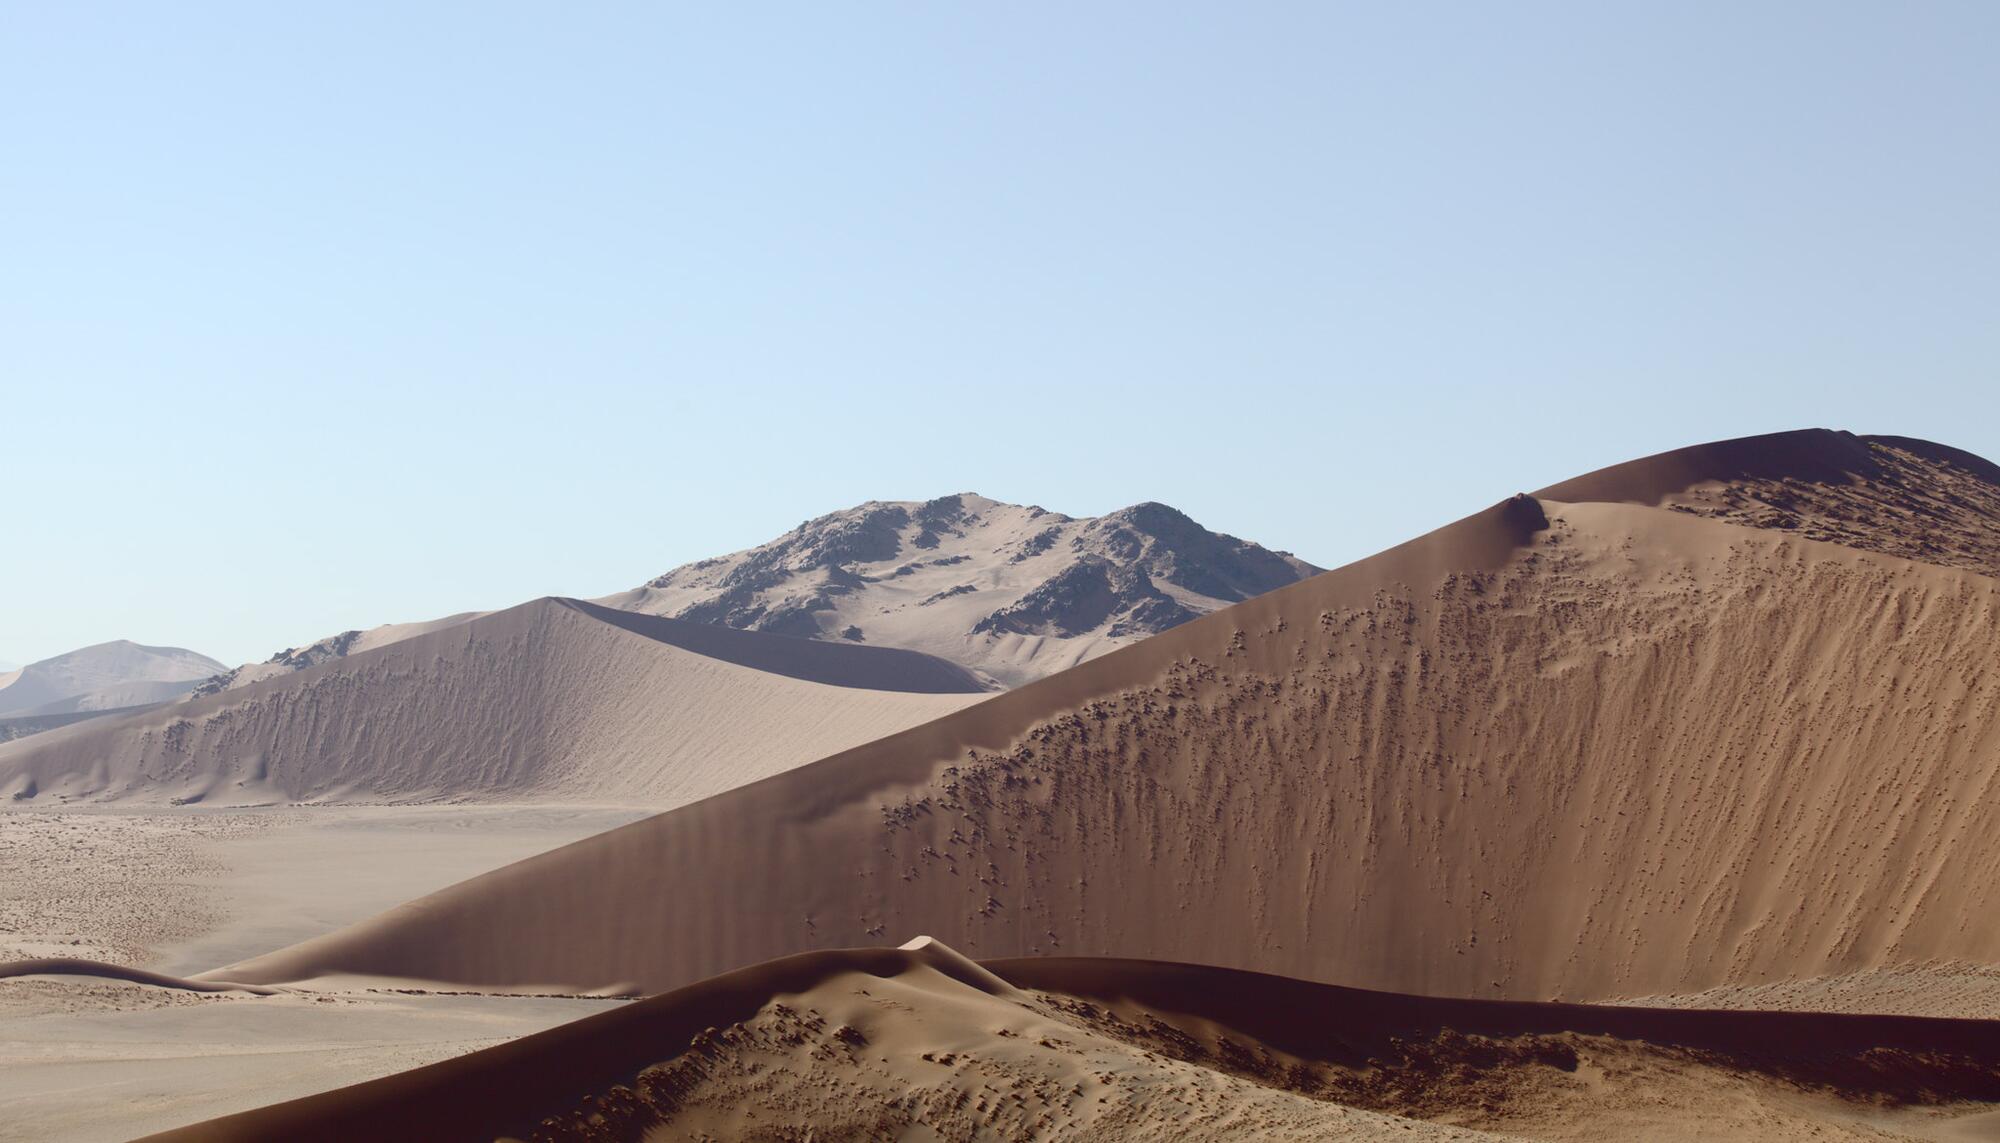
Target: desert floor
182,891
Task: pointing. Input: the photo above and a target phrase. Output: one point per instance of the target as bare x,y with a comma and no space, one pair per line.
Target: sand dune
102,677
1904,497
921,1042
555,699
1556,750
325,650
1014,592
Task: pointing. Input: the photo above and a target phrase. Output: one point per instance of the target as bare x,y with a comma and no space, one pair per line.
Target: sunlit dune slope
554,699
1576,750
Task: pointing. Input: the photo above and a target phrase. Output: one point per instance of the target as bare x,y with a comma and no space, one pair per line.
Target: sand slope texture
1579,750
920,1042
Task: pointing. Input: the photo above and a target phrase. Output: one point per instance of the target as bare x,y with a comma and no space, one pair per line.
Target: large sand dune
920,1042
1576,750
555,699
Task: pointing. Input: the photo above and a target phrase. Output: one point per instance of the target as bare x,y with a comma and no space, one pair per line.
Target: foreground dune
553,700
920,1042
1570,750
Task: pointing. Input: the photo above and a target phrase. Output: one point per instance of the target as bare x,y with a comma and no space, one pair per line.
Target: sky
315,317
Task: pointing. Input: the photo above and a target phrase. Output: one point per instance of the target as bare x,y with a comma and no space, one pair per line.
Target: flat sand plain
184,890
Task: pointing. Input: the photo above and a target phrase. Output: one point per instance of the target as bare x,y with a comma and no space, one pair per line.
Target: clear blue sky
317,317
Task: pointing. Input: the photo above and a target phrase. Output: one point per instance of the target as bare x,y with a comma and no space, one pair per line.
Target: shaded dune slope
1556,750
836,665
552,699
871,1043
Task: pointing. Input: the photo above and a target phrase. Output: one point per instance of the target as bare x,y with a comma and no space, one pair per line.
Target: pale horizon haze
321,318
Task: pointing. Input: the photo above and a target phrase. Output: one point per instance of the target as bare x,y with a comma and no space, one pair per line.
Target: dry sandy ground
184,890
112,886
188,889
129,1059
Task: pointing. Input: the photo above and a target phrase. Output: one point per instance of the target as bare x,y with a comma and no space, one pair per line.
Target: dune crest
1904,497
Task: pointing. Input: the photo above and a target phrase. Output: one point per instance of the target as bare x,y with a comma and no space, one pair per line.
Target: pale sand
112,886
551,701
182,889
150,1064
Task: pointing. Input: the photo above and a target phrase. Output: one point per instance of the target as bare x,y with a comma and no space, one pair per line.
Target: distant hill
102,677
1014,592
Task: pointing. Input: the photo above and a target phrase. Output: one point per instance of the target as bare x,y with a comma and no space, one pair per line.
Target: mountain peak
1013,591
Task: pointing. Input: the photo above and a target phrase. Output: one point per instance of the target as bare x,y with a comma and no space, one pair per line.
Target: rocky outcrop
1012,591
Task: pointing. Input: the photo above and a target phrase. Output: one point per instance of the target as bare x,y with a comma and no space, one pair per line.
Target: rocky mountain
1014,592
1010,592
